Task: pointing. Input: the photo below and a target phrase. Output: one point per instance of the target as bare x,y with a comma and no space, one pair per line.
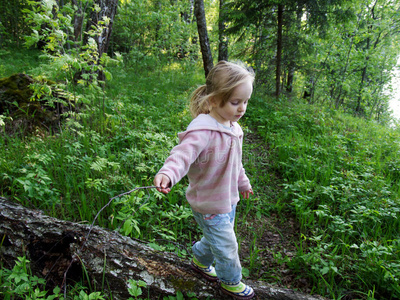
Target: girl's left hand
246,194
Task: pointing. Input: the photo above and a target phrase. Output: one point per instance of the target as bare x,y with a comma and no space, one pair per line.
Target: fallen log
60,250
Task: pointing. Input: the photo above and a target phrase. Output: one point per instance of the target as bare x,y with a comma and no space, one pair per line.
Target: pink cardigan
211,155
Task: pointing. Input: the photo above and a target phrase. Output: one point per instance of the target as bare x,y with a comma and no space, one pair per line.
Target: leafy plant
92,296
20,283
336,181
135,288
336,175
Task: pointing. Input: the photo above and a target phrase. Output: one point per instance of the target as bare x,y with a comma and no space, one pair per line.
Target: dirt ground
268,239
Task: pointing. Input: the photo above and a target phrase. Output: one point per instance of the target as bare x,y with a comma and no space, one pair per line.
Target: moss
15,102
14,89
183,285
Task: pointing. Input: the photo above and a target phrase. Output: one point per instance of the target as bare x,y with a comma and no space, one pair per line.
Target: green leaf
325,270
128,227
245,272
108,75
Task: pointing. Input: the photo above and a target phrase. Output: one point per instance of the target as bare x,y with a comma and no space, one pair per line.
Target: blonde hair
222,79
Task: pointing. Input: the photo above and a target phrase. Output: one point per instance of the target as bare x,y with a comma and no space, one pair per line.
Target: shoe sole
226,292
208,277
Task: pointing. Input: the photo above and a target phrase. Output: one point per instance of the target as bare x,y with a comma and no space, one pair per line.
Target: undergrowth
338,176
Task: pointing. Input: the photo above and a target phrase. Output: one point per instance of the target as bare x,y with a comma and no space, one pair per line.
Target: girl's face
236,106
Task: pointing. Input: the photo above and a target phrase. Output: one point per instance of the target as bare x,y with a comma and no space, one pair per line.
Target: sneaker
207,272
238,290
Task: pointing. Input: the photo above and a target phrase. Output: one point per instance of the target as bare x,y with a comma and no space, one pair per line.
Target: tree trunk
290,78
339,82
187,15
203,36
79,17
223,39
294,53
107,10
58,250
187,18
157,7
279,51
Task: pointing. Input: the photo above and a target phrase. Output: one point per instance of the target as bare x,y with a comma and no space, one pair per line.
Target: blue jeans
219,244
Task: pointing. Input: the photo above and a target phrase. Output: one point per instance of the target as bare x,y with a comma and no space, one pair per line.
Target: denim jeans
219,244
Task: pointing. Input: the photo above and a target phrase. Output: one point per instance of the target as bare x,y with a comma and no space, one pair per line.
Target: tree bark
106,9
279,51
294,52
223,39
79,17
187,15
59,249
203,36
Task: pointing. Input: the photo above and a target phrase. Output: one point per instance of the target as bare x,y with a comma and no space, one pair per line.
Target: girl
210,153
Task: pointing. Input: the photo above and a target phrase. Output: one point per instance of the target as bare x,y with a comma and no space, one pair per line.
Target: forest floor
267,237
269,240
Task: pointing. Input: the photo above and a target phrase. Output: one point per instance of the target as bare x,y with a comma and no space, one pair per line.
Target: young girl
210,153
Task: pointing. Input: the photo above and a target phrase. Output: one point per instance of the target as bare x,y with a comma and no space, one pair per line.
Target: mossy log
29,114
59,249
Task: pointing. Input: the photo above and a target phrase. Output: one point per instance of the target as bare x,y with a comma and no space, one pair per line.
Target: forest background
108,87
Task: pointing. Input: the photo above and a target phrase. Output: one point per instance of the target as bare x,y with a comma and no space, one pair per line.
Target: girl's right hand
162,182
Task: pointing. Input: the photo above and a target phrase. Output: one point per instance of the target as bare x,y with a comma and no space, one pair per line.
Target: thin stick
91,227
109,202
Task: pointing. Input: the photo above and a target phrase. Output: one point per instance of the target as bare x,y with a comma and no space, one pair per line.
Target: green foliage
12,24
136,291
354,59
82,163
36,182
343,56
162,220
51,27
340,181
339,176
154,28
135,288
19,61
92,296
20,283
336,52
41,15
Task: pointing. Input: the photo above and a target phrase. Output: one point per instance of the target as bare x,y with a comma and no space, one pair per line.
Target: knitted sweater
211,156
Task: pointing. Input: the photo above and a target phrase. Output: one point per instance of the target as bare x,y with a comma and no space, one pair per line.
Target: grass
16,60
340,181
326,184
